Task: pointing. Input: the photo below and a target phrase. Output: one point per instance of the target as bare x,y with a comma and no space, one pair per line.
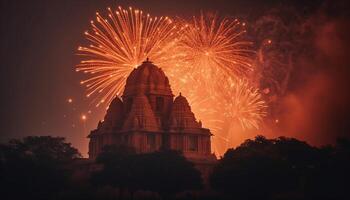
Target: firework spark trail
118,44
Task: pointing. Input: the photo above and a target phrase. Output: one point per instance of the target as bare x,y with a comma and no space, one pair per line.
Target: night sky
39,41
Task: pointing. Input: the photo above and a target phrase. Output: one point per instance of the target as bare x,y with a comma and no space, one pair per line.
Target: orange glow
83,117
213,75
70,100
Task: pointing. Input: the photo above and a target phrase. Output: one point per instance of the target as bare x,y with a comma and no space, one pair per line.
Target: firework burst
241,109
243,103
215,57
212,48
119,43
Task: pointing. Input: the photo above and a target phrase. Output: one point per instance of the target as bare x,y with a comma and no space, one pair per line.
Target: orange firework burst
243,103
213,56
212,48
241,108
118,44
234,107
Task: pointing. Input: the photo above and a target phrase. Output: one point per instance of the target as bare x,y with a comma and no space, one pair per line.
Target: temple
148,118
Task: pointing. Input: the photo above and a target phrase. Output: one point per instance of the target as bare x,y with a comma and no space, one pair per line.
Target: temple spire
147,61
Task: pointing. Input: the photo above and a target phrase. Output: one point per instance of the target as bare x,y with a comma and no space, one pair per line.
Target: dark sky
38,44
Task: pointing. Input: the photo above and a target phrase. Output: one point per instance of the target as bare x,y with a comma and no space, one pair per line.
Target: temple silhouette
148,118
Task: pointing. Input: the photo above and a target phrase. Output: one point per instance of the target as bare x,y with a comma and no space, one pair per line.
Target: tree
165,172
34,167
117,169
264,167
330,180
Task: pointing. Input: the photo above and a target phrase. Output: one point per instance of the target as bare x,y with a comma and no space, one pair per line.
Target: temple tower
147,118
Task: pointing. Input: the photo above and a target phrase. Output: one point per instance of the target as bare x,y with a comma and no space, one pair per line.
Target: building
148,118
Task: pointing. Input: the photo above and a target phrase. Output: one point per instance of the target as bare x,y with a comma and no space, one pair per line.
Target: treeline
43,167
284,168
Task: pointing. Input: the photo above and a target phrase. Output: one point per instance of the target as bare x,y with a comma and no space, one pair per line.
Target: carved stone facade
148,119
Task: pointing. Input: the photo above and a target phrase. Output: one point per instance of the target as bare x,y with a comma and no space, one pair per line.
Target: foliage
281,167
34,167
164,172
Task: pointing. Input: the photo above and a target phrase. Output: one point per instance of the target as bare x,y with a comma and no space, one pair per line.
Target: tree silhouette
35,167
264,168
165,172
331,179
118,169
280,168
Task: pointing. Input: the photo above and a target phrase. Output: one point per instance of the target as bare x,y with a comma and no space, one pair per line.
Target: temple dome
181,116
147,79
141,116
181,102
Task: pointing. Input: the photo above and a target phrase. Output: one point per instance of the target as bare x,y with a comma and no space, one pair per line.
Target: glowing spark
83,117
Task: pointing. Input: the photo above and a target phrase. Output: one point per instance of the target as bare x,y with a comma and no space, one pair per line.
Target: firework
214,54
212,48
243,103
241,109
235,107
119,43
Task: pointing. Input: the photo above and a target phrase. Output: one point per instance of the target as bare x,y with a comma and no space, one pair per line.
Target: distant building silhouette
148,119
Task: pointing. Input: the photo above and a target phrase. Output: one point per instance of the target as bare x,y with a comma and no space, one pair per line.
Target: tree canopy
34,167
260,168
163,171
271,168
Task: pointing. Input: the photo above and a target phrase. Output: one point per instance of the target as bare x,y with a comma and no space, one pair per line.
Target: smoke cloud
315,104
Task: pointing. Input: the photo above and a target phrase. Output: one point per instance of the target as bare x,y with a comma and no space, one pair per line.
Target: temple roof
114,116
135,112
141,116
147,79
181,116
